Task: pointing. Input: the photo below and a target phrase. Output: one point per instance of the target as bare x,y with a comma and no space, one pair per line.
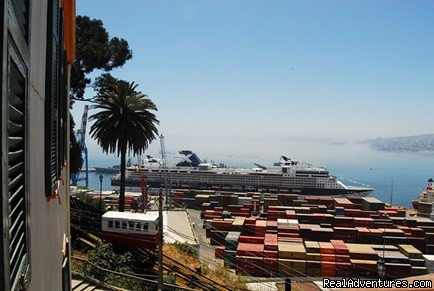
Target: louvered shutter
21,11
16,161
14,201
63,100
52,98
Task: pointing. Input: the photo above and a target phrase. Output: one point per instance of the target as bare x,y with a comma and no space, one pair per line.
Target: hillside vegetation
416,143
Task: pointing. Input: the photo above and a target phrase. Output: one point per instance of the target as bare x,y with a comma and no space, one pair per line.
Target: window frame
14,43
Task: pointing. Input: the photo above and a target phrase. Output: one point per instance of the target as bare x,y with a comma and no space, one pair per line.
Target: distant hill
416,143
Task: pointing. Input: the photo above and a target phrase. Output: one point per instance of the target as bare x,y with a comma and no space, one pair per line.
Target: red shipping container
353,213
326,248
376,232
327,258
250,265
290,214
249,249
271,265
271,254
346,234
271,224
289,235
340,247
219,224
250,221
251,239
271,242
219,252
343,221
328,269
363,222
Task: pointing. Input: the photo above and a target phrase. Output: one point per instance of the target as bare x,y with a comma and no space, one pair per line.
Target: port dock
276,236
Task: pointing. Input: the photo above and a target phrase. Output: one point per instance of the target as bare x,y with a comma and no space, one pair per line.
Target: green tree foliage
105,257
76,159
95,51
124,121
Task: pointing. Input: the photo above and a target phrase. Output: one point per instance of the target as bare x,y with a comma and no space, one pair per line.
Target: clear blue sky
228,75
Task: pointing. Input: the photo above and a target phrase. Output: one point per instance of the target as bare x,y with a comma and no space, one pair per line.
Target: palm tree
124,122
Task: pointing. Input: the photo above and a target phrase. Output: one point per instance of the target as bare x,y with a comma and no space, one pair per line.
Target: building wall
47,219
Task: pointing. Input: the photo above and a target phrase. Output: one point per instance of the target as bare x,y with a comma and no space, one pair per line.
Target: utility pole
391,193
160,240
101,177
165,169
160,212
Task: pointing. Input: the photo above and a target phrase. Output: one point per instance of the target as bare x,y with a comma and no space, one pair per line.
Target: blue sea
353,164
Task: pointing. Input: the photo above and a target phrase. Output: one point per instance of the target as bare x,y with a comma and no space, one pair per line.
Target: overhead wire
98,231
360,267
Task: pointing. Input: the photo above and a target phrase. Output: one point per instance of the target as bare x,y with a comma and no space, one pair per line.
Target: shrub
186,248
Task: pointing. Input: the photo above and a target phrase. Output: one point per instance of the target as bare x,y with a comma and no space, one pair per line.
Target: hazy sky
231,76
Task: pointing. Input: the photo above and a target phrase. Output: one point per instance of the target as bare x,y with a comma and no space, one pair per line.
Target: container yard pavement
206,252
177,227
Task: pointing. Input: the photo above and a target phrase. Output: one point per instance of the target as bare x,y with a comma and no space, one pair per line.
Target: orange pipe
69,29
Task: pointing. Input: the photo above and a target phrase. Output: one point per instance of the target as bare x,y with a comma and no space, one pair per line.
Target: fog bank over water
353,163
244,151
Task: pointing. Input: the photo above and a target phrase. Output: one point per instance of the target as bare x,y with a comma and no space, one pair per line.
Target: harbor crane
80,135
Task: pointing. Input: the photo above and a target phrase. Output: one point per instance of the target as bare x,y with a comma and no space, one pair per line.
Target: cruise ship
288,176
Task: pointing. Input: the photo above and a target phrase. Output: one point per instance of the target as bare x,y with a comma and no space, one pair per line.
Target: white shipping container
282,221
292,221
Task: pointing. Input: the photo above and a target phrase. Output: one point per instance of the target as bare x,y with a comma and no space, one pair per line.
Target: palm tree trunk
122,186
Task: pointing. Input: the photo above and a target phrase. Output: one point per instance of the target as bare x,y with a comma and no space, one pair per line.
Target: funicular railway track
86,224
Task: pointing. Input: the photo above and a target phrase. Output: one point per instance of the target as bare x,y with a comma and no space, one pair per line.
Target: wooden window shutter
63,99
14,256
17,173
21,11
52,98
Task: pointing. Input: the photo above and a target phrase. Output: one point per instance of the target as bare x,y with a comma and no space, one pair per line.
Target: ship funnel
429,185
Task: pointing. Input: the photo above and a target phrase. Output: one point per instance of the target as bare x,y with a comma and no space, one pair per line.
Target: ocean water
353,164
